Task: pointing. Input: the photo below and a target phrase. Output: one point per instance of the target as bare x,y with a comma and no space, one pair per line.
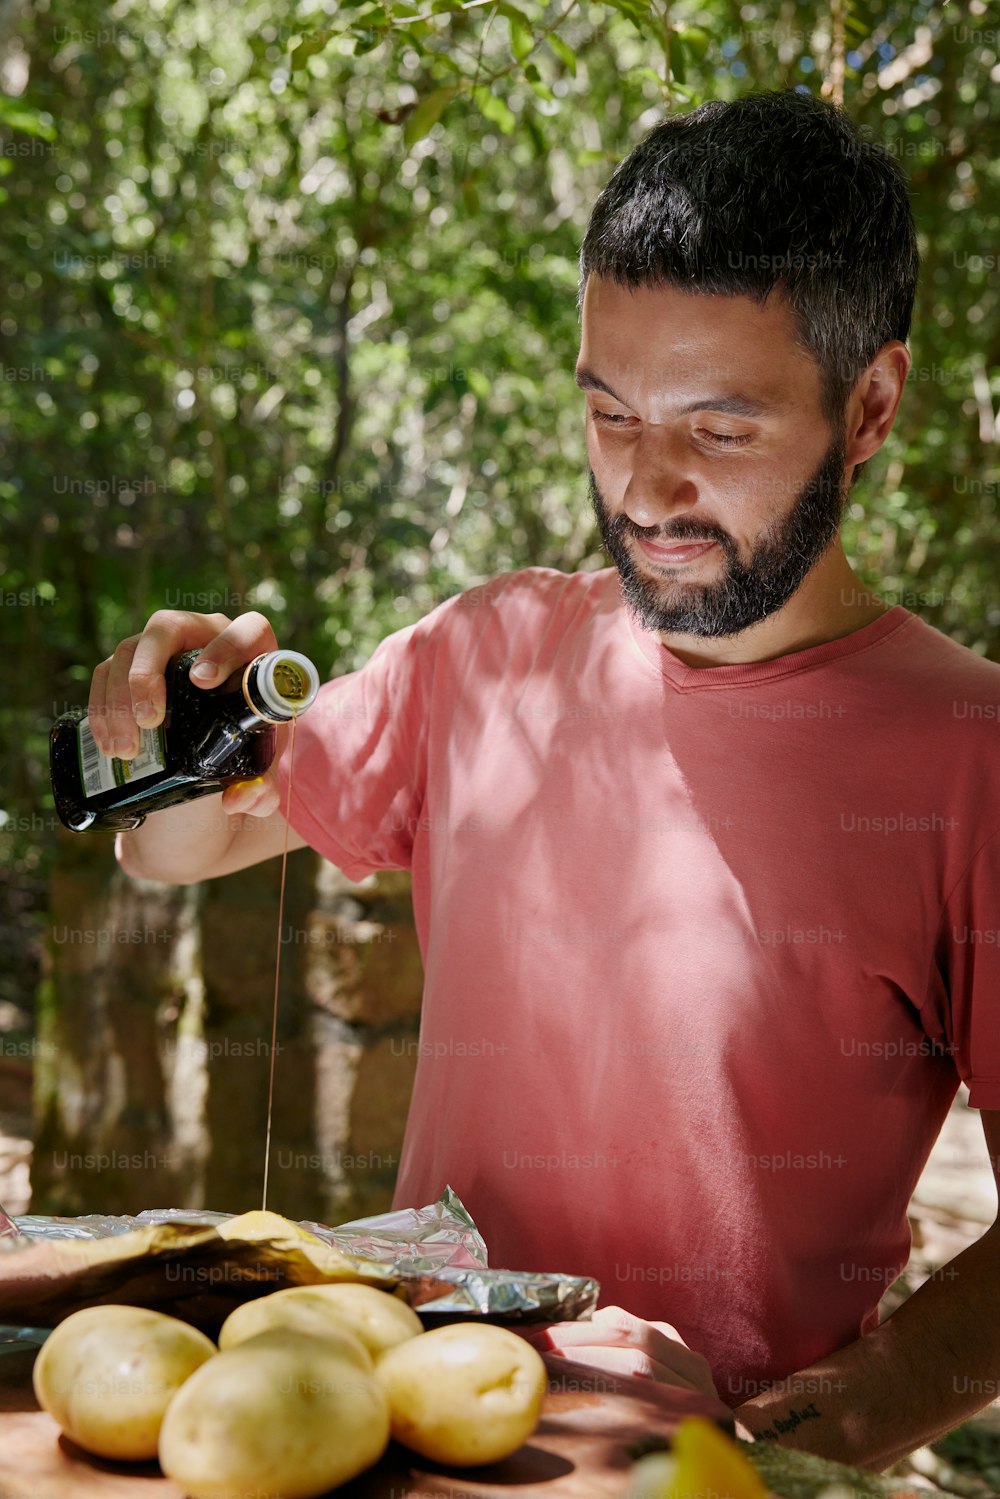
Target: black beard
748,591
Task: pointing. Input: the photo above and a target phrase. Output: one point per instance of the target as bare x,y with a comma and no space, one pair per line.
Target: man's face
714,437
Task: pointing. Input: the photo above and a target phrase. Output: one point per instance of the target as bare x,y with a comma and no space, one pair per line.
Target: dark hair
775,189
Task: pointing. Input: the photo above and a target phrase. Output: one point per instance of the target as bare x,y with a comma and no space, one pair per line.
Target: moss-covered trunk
116,1125
154,1042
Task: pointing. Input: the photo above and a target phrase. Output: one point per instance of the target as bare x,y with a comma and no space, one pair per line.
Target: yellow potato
108,1373
281,1416
299,1309
377,1319
467,1393
262,1224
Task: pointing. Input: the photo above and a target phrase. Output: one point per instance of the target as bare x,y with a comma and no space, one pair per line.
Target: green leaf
677,59
479,383
470,197
412,35
512,13
426,114
366,40
565,53
521,39
695,41
16,117
492,107
634,9
535,134
637,13
304,47
445,60
539,86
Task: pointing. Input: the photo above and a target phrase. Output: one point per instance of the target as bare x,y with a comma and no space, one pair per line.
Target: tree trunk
365,981
239,934
115,1133
154,1043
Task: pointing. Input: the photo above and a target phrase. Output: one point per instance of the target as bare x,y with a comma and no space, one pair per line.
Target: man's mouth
675,552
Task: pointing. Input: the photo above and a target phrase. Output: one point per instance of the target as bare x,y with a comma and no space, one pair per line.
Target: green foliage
288,311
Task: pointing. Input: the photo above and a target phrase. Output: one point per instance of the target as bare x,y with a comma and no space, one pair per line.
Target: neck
829,603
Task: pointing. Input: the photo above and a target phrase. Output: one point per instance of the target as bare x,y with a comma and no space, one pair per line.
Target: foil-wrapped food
198,1265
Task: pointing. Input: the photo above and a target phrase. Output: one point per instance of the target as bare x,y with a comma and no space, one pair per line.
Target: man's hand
129,689
616,1340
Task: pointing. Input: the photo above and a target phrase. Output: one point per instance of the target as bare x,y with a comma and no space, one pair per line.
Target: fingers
129,691
635,1361
616,1325
260,797
110,709
257,798
168,632
614,1329
247,636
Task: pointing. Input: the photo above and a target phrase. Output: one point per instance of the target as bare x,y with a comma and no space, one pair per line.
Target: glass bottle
209,738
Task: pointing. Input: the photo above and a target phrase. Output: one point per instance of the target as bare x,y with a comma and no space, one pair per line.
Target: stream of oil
277,969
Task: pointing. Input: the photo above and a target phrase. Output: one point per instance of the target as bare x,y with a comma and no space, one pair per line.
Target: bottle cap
286,682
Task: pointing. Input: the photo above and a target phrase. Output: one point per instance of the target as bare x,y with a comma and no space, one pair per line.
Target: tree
289,323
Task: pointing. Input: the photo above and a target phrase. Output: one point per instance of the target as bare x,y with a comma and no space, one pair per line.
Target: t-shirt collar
749,673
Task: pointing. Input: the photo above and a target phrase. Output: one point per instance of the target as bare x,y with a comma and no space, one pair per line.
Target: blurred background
287,322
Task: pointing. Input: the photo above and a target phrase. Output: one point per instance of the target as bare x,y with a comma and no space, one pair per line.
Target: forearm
212,835
930,1365
180,845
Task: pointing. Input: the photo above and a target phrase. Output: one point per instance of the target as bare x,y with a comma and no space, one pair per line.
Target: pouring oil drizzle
277,969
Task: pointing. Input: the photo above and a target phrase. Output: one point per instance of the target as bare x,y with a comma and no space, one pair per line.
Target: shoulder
951,673
525,600
531,587
944,701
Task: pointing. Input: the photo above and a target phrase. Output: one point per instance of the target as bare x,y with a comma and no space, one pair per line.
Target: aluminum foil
437,1251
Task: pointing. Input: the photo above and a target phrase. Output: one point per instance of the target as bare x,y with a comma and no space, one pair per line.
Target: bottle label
100,772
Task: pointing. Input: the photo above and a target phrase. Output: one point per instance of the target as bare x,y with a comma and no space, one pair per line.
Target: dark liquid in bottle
209,738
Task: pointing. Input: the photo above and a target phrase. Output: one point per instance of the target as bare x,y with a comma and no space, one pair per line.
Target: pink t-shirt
706,951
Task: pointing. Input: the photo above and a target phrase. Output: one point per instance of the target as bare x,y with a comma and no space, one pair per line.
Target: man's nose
660,487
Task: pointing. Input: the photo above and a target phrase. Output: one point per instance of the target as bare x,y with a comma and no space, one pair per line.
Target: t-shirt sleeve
358,763
968,1016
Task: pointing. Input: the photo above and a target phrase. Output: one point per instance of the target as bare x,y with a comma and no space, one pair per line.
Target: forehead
657,341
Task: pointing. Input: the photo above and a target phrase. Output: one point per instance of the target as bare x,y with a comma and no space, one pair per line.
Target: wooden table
578,1452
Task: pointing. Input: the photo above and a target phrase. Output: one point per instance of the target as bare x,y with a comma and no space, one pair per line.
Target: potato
466,1393
108,1373
376,1318
299,1309
281,1416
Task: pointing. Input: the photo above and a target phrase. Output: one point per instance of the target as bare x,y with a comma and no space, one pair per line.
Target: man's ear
874,401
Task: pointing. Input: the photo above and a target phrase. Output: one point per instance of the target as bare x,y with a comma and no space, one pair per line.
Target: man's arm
201,840
928,1367
212,835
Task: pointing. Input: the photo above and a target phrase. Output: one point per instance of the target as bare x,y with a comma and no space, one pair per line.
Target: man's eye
725,439
611,418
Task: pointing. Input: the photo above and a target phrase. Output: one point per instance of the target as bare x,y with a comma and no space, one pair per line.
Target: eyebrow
729,405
